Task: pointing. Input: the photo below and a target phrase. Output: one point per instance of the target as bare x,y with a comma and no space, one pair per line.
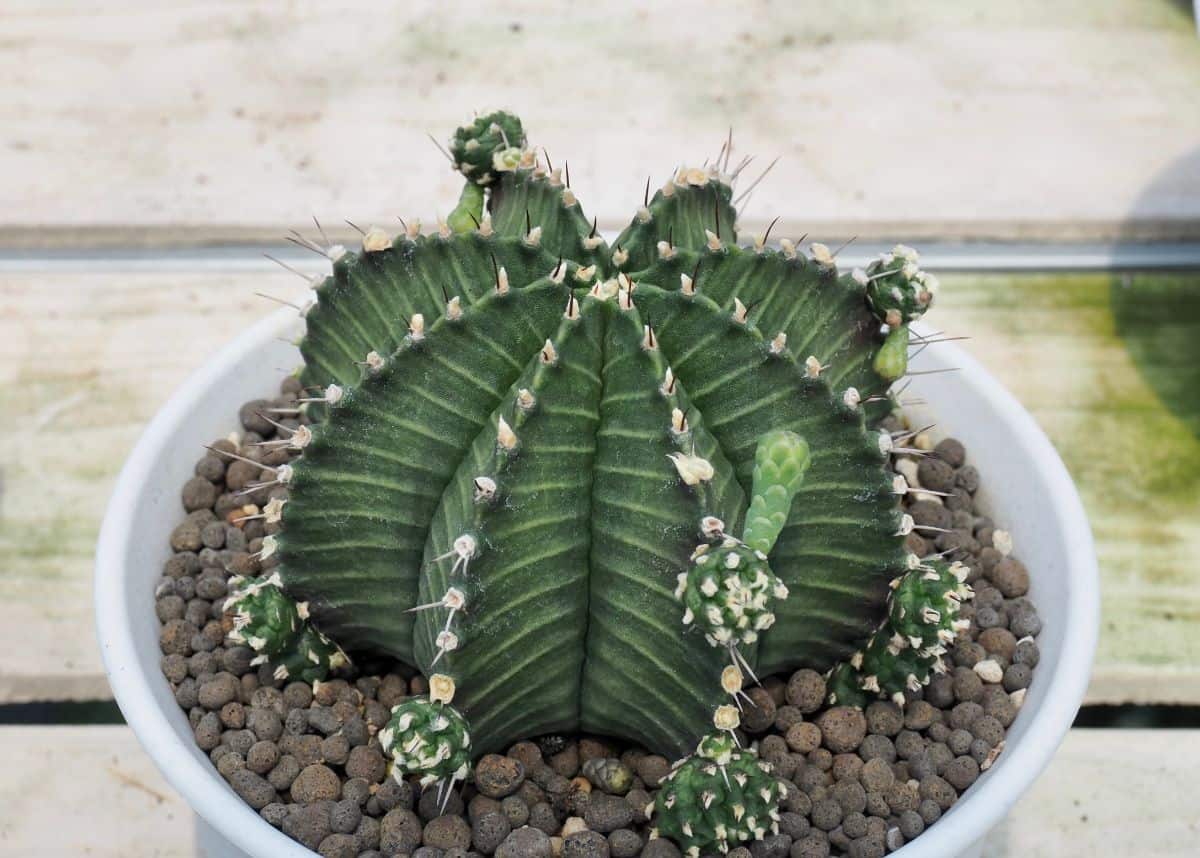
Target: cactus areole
600,486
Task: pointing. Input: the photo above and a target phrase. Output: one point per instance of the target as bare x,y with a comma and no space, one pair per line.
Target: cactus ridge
520,448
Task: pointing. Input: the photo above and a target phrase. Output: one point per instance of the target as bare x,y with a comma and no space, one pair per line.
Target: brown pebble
842,728
1010,577
316,783
806,690
804,737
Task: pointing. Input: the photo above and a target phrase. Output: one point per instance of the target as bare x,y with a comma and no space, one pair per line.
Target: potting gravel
306,757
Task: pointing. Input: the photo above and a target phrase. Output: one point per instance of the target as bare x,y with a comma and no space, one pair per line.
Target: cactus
528,447
908,647
719,796
277,629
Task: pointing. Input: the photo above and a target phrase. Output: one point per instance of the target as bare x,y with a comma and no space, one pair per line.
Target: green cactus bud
907,649
491,145
427,739
468,214
277,629
780,463
898,291
891,361
729,592
718,797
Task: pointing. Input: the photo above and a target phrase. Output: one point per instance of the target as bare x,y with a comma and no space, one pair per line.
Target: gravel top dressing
306,757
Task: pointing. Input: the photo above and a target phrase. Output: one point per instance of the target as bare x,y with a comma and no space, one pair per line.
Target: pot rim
209,796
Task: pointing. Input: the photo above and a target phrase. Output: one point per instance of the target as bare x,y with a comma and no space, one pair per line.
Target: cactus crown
593,487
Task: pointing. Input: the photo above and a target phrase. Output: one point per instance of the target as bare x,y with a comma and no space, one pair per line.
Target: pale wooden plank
86,359
1107,792
86,791
1135,456
192,122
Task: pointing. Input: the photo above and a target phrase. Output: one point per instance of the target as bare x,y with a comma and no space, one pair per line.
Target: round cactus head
277,629
494,143
898,291
429,739
729,592
718,797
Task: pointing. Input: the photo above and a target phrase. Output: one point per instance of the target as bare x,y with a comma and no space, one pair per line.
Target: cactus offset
530,447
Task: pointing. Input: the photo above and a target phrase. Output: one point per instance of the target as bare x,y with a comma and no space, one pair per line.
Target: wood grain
161,124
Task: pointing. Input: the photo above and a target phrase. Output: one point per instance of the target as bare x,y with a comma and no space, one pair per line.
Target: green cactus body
897,289
277,629
692,211
519,448
718,797
907,649
427,739
490,146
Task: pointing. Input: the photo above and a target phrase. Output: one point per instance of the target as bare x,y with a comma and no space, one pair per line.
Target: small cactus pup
899,292
716,798
907,649
528,448
277,629
428,737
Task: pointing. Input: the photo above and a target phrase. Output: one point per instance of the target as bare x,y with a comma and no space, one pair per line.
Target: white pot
1026,489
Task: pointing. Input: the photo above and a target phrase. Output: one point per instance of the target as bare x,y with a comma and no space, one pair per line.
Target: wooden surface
86,360
1107,792
187,122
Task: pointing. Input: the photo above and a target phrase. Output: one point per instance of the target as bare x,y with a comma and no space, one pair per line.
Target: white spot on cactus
501,281
649,341
376,240
625,299
506,160
692,469
525,399
412,228
447,641
568,198
821,255
665,250
788,247
572,311
549,354
711,526
732,679
860,277
454,309
284,474
711,239
301,438
686,285
906,525
732,561
851,397
416,328
273,511
591,242
739,311
620,256
443,228
505,436
533,238
778,344
441,688
485,225
374,361
335,252
679,423
643,215
584,275
485,489
668,386
885,447
812,367
726,717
